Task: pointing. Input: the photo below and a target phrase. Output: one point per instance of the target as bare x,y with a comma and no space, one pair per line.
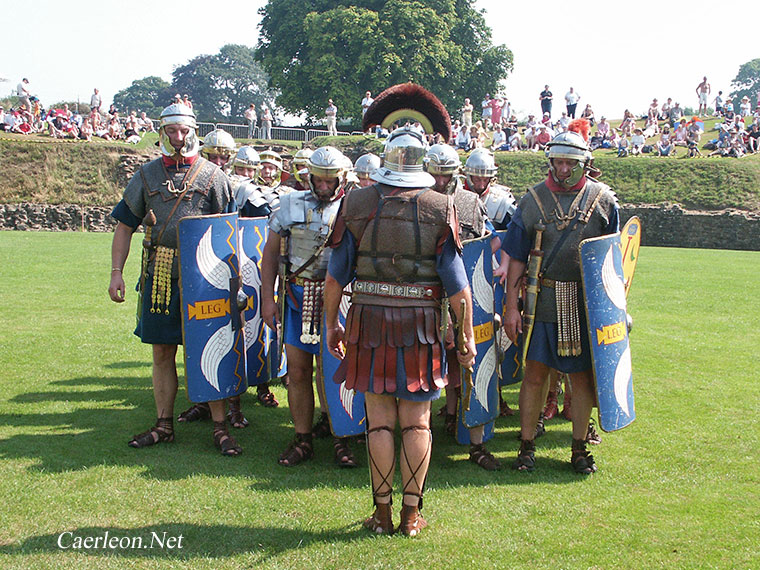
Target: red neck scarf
171,162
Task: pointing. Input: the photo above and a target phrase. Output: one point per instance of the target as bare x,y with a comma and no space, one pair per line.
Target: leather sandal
344,457
411,521
162,432
450,424
299,450
526,457
235,414
581,460
267,399
321,429
195,413
481,457
381,521
224,441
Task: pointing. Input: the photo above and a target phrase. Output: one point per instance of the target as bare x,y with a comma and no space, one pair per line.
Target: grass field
677,489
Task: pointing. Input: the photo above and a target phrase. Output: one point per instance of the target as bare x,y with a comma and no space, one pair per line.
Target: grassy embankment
44,171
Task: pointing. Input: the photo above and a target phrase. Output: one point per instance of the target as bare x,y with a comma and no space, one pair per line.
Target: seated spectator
564,121
530,137
86,132
753,138
596,141
694,129
622,146
723,148
463,139
728,109
736,147
499,138
612,139
603,128
654,111
114,128
588,113
665,110
510,125
651,128
455,128
692,149
637,141
477,137
145,124
531,122
546,119
745,107
665,145
131,126
543,137
3,124
515,141
680,134
628,124
676,114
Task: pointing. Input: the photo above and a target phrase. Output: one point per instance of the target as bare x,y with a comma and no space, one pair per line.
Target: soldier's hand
117,289
467,360
269,313
512,324
335,341
500,274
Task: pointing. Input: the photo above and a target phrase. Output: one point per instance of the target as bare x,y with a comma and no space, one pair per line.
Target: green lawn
677,489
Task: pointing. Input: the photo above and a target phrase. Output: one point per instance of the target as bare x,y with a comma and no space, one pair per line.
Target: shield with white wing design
483,399
212,329
258,336
344,407
604,293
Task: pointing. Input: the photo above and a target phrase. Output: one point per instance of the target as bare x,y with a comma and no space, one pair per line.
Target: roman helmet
406,147
572,145
442,159
178,114
271,157
246,157
300,163
218,142
328,162
366,164
479,163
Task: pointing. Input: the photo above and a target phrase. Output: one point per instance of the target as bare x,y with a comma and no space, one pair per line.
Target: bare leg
164,379
301,389
532,396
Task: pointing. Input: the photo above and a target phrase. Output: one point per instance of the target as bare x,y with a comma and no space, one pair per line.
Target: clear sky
616,55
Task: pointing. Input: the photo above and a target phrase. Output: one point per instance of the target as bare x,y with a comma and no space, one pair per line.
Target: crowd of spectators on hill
496,127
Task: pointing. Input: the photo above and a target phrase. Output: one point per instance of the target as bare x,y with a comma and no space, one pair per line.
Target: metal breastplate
566,263
397,233
310,222
158,189
500,205
246,191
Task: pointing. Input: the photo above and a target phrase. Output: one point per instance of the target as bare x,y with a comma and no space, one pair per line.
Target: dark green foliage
746,82
149,94
341,49
222,86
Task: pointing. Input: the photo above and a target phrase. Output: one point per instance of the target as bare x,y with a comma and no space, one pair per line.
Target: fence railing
278,133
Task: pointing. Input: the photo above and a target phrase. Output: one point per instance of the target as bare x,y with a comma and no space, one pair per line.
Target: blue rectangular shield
604,292
481,404
507,353
212,329
253,235
344,407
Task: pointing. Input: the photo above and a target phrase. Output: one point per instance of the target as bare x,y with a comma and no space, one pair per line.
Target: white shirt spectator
499,138
572,97
22,89
95,100
366,102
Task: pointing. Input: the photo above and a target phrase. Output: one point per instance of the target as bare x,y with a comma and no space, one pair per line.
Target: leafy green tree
222,86
747,82
339,49
149,94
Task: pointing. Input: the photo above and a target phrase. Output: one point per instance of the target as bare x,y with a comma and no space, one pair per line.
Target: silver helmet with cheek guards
246,157
218,141
480,163
178,114
569,145
328,162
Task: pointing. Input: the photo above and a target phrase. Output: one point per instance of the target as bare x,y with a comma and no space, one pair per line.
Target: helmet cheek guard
178,114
